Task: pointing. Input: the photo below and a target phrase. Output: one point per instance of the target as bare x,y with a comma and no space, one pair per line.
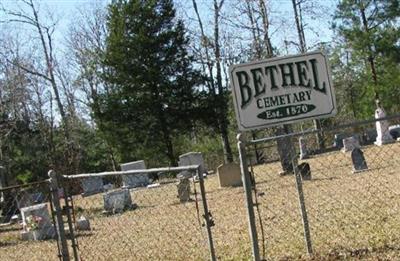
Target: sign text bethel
282,90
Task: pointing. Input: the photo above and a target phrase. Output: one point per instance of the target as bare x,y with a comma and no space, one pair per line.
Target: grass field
352,216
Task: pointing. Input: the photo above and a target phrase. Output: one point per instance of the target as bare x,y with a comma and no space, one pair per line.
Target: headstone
358,159
394,131
134,180
286,150
303,148
191,158
108,187
92,185
338,140
82,223
117,201
25,199
183,190
382,128
351,143
305,170
370,136
229,175
36,222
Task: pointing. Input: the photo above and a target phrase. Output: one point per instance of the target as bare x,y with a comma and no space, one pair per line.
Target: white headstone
117,201
351,143
191,158
382,128
229,175
134,180
92,185
37,221
303,148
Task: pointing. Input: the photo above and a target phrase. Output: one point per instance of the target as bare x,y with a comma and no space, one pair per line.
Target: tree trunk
222,104
303,49
371,59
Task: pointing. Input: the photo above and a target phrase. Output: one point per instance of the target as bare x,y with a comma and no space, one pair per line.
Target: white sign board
282,90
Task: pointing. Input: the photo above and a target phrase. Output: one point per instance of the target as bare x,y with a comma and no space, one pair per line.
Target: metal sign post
249,198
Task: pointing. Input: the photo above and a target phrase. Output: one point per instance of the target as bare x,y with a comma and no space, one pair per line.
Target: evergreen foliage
152,94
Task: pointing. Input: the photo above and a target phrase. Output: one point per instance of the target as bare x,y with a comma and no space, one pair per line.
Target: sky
65,10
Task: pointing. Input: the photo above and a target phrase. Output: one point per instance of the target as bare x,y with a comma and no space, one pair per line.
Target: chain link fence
26,229
351,195
138,216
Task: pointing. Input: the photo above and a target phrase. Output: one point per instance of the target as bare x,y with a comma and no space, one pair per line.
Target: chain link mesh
350,214
27,231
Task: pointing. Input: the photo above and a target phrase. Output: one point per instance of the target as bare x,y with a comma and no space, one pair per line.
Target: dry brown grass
352,216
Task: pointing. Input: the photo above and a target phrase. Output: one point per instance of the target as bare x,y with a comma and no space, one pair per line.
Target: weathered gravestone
191,158
351,143
382,127
183,189
358,159
304,170
303,148
117,201
394,131
37,223
338,140
370,136
134,180
229,175
92,185
82,223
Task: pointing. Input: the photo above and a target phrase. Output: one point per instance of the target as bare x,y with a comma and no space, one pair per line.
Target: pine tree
369,30
152,91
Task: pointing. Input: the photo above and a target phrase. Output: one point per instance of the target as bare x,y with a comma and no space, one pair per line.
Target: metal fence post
207,215
62,239
303,210
249,198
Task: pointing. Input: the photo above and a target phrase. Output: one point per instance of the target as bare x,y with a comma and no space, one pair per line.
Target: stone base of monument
39,234
229,175
383,142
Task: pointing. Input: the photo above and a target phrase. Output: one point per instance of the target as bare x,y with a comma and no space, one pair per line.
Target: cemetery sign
282,90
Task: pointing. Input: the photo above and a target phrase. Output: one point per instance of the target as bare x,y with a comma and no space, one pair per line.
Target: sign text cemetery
282,90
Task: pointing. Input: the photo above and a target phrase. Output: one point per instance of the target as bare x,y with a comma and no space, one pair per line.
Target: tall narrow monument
382,127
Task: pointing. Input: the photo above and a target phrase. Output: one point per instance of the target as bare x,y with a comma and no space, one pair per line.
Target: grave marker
117,201
382,127
37,222
303,148
305,171
183,186
358,159
134,180
351,143
191,158
229,175
92,185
